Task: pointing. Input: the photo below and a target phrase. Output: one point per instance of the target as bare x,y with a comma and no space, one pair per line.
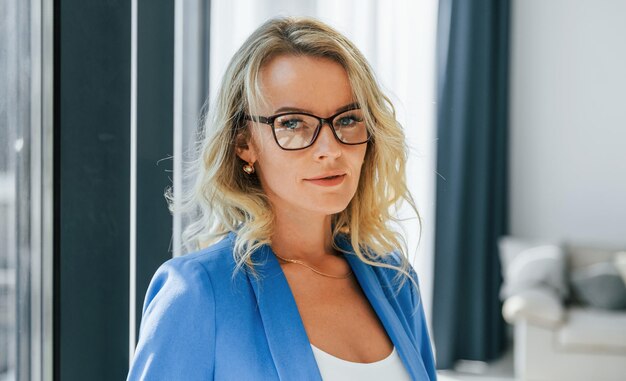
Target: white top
333,368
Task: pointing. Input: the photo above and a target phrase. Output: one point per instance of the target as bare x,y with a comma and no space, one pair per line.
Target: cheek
357,163
277,169
357,159
279,175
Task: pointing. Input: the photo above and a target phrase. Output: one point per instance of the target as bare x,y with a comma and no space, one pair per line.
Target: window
25,190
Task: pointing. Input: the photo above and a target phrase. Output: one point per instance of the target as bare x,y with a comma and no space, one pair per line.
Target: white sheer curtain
398,39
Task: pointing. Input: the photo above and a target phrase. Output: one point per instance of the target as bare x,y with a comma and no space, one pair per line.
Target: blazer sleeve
420,329
177,332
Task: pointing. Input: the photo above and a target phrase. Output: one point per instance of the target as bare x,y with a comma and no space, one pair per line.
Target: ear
244,147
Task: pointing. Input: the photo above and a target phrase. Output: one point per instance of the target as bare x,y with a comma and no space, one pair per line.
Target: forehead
316,84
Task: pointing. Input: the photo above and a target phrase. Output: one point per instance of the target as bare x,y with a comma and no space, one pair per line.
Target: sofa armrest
538,305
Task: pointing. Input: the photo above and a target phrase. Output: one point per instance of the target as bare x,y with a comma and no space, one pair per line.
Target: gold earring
248,168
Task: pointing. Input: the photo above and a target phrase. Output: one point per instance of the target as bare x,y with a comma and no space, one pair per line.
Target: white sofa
556,336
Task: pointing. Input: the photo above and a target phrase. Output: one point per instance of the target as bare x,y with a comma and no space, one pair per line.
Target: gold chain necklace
319,272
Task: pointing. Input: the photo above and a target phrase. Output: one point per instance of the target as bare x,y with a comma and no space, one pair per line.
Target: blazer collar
284,329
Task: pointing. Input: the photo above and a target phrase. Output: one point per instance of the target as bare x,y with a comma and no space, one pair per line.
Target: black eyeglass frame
269,120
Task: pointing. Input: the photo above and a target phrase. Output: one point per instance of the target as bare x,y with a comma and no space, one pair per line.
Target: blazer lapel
373,290
284,329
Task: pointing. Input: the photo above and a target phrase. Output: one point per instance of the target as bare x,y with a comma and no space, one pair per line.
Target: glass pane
350,126
295,130
14,114
21,100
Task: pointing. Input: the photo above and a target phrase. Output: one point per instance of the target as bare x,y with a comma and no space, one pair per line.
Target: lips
327,181
328,175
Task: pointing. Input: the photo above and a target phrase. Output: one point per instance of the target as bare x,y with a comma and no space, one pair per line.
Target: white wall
568,120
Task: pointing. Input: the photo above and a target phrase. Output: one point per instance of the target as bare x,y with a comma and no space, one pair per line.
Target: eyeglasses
297,130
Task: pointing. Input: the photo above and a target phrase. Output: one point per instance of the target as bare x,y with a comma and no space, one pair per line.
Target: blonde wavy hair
223,199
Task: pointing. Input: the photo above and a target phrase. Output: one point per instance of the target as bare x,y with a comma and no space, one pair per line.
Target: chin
328,209
331,205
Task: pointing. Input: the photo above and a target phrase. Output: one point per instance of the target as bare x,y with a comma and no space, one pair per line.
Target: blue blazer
197,324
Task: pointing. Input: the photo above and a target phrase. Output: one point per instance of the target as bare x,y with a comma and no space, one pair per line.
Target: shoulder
183,285
397,260
177,333
198,266
217,254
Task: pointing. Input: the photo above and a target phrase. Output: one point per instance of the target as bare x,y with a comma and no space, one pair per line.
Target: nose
326,145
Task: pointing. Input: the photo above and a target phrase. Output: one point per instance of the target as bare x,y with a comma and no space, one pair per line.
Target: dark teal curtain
92,100
472,195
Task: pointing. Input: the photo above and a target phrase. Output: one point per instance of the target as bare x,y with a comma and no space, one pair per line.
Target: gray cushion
600,285
528,264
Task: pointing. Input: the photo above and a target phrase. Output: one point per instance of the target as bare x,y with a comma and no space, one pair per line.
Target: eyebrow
297,109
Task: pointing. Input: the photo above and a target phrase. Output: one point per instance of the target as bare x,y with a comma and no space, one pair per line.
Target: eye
290,124
295,123
347,121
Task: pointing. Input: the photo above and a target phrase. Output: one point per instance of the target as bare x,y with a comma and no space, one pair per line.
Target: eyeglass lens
297,130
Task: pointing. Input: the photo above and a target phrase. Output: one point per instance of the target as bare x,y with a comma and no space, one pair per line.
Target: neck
305,237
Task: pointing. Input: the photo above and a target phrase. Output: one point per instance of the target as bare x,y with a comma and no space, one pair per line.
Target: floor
499,370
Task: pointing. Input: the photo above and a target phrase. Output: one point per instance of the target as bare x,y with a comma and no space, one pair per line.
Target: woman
295,274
